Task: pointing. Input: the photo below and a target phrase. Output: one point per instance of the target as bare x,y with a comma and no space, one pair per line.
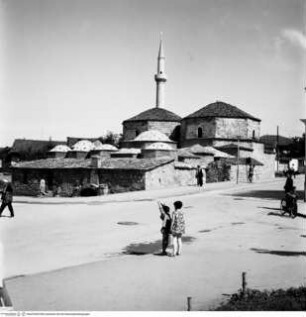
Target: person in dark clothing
166,226
289,183
199,176
7,198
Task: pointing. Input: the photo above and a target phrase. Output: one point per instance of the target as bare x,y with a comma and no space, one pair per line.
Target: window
137,132
200,132
253,134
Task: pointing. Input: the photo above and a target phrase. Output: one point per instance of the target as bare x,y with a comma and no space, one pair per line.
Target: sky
81,67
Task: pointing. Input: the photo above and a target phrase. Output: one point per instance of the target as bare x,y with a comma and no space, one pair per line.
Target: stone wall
231,128
26,181
169,175
217,128
130,128
147,153
122,180
166,127
189,128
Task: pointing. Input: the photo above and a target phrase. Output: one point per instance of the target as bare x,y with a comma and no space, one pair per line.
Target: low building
119,174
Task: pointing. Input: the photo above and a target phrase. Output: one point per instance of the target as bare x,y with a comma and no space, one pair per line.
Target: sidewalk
147,194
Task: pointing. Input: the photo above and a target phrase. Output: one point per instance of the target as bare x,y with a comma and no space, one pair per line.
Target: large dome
152,136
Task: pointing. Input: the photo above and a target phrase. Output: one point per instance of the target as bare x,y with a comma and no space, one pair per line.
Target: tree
111,138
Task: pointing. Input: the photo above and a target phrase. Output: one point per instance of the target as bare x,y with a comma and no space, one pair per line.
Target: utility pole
238,158
304,121
277,149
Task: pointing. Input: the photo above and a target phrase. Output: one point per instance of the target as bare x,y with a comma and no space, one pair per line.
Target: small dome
83,146
61,148
129,151
152,135
106,147
159,146
97,144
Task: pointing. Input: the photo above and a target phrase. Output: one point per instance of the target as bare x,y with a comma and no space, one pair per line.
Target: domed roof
60,148
159,146
155,114
97,143
83,146
152,135
106,147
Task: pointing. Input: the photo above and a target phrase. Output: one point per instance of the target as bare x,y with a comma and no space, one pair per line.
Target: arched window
200,132
253,134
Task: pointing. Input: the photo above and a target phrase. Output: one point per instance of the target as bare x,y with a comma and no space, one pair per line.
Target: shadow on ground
265,194
279,252
150,247
280,213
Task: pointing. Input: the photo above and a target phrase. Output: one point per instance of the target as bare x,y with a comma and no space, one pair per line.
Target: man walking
7,198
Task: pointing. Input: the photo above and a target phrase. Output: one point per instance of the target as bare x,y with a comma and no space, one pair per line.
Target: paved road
99,253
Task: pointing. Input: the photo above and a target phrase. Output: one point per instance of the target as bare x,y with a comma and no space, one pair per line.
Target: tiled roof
235,146
113,163
221,109
25,145
185,152
152,135
199,149
155,114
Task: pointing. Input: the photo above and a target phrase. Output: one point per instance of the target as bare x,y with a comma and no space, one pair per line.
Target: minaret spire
160,77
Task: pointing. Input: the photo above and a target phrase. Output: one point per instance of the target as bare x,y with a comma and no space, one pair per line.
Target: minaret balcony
160,77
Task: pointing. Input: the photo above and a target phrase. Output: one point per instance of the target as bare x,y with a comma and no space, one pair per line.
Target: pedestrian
251,173
199,176
289,183
177,227
166,226
42,187
7,198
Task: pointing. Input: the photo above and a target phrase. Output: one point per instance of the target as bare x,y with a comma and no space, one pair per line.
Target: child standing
166,226
177,227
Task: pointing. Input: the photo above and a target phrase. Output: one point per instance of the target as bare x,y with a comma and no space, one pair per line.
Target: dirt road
103,255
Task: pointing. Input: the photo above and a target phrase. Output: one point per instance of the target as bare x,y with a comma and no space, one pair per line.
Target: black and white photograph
152,156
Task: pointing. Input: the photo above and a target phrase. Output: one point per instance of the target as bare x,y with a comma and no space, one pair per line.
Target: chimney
96,161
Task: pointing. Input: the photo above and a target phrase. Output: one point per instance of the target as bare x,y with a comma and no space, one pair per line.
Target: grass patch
292,299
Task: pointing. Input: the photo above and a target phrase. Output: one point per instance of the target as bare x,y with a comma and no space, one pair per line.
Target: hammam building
158,149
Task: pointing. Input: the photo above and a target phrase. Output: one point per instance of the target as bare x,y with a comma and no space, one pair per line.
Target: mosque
158,149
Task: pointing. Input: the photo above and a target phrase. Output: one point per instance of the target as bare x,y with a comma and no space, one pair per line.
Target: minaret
160,77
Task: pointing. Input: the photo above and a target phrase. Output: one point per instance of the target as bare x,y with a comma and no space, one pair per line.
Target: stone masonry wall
231,128
26,181
130,128
122,180
168,175
165,127
190,127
